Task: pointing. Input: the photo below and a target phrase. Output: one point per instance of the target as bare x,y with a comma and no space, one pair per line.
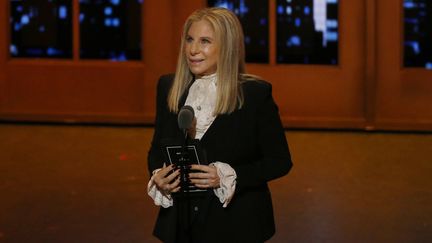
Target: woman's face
202,51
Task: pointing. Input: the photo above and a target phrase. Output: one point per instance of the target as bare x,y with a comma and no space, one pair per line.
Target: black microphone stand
185,119
185,183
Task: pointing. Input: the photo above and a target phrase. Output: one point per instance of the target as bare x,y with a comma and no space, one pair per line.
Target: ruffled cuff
227,177
159,198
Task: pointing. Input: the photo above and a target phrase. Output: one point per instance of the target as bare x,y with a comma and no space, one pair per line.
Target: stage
70,183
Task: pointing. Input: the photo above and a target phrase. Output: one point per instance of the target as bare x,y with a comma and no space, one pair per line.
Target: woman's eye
189,39
205,41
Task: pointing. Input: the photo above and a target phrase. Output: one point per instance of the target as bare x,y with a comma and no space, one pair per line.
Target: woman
238,126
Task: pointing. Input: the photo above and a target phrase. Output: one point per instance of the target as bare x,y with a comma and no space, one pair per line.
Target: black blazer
252,141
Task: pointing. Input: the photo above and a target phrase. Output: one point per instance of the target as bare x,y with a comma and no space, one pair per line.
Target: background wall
369,89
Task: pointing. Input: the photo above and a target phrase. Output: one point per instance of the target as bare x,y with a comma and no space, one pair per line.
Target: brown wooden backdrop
369,89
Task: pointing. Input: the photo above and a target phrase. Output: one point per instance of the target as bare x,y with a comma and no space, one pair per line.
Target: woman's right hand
165,182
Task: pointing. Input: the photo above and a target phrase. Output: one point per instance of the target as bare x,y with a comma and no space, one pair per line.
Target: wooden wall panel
3,51
91,91
404,95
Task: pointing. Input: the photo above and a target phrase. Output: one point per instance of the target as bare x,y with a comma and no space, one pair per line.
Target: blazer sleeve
273,158
155,156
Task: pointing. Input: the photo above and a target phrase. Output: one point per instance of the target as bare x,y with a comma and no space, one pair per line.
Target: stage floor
64,183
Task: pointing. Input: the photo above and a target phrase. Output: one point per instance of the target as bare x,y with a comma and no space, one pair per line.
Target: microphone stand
185,119
184,183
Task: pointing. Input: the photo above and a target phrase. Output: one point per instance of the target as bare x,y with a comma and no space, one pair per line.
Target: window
254,18
108,29
307,31
418,34
41,28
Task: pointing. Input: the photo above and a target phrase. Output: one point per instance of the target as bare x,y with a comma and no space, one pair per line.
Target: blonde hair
231,63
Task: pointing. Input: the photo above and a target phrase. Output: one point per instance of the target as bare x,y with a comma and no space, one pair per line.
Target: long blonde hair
231,63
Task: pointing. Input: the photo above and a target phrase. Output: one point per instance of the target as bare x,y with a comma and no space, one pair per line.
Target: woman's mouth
195,61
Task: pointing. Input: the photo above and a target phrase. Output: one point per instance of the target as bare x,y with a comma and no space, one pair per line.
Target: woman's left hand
206,177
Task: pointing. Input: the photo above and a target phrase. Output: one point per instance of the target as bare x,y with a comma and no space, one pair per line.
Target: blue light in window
414,46
428,65
17,26
243,8
13,50
108,22
81,17
331,23
115,22
297,22
263,21
294,41
289,10
42,28
19,9
52,51
108,11
332,36
409,4
62,12
115,2
306,10
332,1
225,4
280,9
33,12
118,58
25,19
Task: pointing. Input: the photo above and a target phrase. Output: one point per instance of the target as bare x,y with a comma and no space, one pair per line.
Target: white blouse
202,98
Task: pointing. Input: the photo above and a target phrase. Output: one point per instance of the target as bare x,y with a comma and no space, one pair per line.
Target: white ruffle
159,198
227,177
202,98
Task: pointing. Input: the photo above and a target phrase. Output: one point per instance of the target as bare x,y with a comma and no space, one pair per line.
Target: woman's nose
194,48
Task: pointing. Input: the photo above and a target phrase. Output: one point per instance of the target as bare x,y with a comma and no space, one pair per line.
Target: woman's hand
206,177
165,182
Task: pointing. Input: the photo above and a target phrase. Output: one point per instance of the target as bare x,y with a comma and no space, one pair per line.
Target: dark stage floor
88,184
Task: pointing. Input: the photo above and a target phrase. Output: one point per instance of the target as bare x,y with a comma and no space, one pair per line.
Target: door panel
404,95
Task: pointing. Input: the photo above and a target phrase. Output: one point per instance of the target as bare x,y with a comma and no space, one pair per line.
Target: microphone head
185,117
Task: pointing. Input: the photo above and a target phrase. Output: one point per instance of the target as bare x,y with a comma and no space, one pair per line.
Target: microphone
184,120
185,117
